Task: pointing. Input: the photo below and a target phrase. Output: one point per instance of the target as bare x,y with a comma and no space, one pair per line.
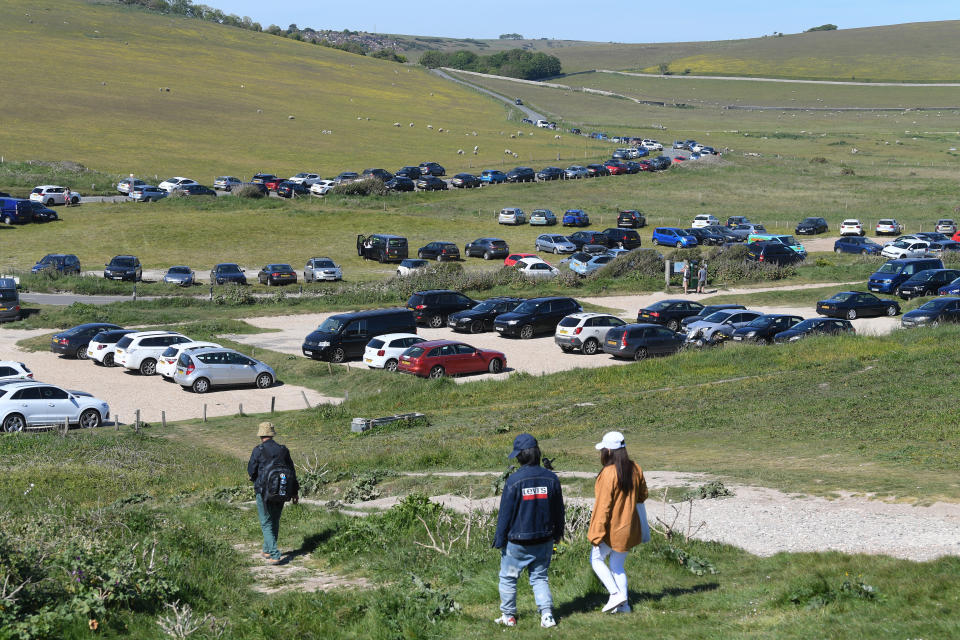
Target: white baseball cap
612,440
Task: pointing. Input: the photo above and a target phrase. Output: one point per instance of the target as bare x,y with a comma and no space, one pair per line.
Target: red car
439,358
956,237
645,165
273,184
615,168
679,159
512,259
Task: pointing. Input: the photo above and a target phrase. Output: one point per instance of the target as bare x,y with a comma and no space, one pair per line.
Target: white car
321,269
576,171
905,249
103,346
127,185
411,265
321,187
536,269
384,351
652,145
141,350
306,179
28,403
511,215
227,183
50,194
888,226
176,183
851,227
585,331
704,220
12,370
167,362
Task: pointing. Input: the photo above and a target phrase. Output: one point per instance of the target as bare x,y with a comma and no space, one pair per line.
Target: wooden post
116,422
241,409
136,422
305,401
163,419
273,403
329,368
204,411
666,273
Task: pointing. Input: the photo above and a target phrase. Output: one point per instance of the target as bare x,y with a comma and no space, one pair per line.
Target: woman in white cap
616,525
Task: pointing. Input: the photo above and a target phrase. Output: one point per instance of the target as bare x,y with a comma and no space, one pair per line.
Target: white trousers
613,577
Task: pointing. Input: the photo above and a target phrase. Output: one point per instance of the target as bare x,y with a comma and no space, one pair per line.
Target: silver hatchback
202,369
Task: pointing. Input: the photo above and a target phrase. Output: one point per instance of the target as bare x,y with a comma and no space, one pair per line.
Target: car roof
586,315
124,255
425,291
213,349
147,334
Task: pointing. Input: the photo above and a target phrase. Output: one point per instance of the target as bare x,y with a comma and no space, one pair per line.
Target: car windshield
169,352
414,352
718,316
122,262
331,325
8,295
806,325
396,242
280,267
935,305
486,305
924,276
48,259
179,270
229,268
558,239
580,257
841,297
761,323
886,222
527,307
890,268
809,221
376,343
660,306
787,239
324,264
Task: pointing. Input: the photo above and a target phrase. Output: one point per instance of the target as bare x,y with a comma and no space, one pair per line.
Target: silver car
212,367
718,326
574,172
321,269
555,243
182,276
28,403
227,183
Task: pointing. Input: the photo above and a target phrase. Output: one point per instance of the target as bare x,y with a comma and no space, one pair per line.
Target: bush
365,187
249,191
646,262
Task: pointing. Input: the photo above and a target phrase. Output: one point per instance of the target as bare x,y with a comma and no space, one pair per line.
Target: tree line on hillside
515,63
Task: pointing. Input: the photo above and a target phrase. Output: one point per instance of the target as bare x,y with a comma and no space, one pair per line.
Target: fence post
666,274
136,422
116,422
241,410
163,419
305,401
273,403
204,411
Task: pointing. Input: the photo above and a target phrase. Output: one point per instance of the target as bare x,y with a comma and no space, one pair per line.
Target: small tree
823,27
664,69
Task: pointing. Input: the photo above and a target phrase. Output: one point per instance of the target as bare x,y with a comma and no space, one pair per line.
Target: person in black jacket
261,458
531,520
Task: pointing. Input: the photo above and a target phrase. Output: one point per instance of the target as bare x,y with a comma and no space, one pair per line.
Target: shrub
365,187
818,160
249,191
847,171
646,262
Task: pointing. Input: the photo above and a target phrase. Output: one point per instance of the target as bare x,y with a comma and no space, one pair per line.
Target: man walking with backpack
274,483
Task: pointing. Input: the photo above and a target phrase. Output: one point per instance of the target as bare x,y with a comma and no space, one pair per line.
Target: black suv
287,189
631,219
123,268
433,307
926,283
480,318
487,248
382,174
399,183
625,238
521,174
772,253
439,251
660,163
537,315
597,170
811,226
669,312
704,236
65,263
581,238
764,328
413,173
432,169
382,247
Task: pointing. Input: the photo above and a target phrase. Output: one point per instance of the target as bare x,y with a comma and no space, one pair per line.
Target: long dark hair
623,463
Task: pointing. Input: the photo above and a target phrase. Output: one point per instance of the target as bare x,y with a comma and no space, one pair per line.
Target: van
893,273
785,239
345,335
9,300
382,247
15,211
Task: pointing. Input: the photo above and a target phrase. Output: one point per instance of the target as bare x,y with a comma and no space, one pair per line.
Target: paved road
528,112
840,82
66,299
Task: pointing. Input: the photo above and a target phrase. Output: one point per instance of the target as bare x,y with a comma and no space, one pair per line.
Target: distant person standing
67,196
274,483
686,276
701,277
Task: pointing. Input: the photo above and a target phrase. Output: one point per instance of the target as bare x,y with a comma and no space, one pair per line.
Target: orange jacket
615,520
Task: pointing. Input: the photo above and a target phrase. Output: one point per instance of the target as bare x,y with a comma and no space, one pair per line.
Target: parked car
905,249
893,273
439,358
140,350
41,213
669,312
486,248
178,182
290,189
950,289
660,163
465,181
511,215
554,243
276,273
673,237
380,174
123,268
851,227
933,313
575,171
12,370
194,190
73,342
704,220
585,331
744,231
707,310
432,168
724,232
763,328
735,221
576,218
203,369
9,300
784,239
227,273
346,177
772,253
926,283
582,238
856,304
167,361
433,306
624,238
631,219
322,269
345,335
720,323
814,326
65,263
147,193
615,167
480,318
514,258
542,217
888,227
856,244
651,145
383,352
400,184
811,226
493,176
550,173
382,247
322,187
431,183
597,170
940,248
182,276
304,178
262,178
228,183
584,264
439,251
102,346
704,236
521,174
536,268
639,341
126,185
51,194
28,403
535,316
410,265
932,236
946,226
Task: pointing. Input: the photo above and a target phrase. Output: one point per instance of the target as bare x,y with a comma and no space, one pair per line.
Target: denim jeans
513,560
269,513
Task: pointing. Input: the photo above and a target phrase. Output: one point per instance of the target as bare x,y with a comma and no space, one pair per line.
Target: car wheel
381,258
640,354
476,326
679,245
264,381
556,250
673,325
391,365
863,252
437,372
436,321
420,254
852,314
90,419
200,385
74,200
108,360
590,347
50,202
14,422
81,353
148,367
338,355
486,255
526,331
935,323
891,310
496,365
7,220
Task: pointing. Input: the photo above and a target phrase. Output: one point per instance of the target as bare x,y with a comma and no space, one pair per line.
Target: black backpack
279,482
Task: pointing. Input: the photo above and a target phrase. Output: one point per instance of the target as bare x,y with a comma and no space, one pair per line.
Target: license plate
89,353
826,306
612,342
564,332
499,328
308,352
180,371
368,359
874,288
737,338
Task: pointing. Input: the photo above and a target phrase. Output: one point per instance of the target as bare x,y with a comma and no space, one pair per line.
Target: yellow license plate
613,342
368,359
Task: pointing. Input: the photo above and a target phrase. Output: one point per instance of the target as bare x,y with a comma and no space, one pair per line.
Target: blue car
575,218
952,289
673,237
856,244
585,264
492,176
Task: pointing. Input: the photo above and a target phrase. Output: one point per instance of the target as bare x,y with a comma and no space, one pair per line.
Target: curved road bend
528,112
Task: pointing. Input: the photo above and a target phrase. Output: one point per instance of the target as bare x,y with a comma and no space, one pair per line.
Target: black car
521,174
811,226
723,232
42,213
431,183
345,335
480,318
631,167
274,274
550,173
596,170
939,310
926,282
432,169
399,183
764,328
227,273
487,248
196,190
65,263
287,189
631,219
465,181
345,177
772,253
855,304
814,326
639,341
413,173
706,311
381,174
123,268
856,244
623,238
382,247
263,178
439,251
73,342
433,307
669,312
704,236
660,163
537,315
581,238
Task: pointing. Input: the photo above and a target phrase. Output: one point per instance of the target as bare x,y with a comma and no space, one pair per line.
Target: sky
610,21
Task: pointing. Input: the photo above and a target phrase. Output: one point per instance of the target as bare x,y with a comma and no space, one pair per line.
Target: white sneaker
616,599
507,621
547,621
